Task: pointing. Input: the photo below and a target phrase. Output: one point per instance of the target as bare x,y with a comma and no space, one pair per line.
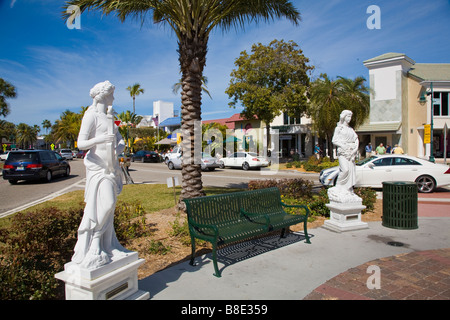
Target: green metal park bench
227,218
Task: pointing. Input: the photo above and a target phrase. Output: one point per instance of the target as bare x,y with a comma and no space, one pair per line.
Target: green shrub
180,229
369,197
36,245
129,221
157,247
291,188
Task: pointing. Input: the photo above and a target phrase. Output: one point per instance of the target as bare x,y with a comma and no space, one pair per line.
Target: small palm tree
135,90
330,97
7,90
26,135
192,21
177,86
46,124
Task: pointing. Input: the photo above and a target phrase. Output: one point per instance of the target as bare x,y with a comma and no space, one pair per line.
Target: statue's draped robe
97,175
347,140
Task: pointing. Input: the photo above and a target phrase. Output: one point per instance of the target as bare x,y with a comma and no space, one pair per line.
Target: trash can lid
399,182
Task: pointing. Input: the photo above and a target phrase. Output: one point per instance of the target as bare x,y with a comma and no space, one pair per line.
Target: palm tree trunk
192,61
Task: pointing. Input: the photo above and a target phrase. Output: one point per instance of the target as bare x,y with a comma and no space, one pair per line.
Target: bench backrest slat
223,208
262,201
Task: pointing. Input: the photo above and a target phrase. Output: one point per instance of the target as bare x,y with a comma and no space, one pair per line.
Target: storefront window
290,120
440,104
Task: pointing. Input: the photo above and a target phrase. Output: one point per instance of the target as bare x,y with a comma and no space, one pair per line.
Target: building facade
400,105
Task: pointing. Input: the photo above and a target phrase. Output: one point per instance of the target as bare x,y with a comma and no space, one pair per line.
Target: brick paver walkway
420,275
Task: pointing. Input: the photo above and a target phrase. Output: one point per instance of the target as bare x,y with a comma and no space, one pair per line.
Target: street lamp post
423,100
432,116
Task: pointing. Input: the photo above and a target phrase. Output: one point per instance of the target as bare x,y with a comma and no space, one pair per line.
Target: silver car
66,154
209,163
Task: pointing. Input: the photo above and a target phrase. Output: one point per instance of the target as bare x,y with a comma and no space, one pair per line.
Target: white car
244,160
209,163
373,171
173,155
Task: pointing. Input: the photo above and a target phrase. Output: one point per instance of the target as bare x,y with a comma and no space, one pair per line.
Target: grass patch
152,198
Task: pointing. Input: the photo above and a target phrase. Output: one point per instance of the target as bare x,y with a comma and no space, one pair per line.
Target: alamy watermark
74,20
374,21
374,281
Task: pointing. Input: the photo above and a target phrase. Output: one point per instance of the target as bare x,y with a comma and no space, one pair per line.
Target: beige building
400,104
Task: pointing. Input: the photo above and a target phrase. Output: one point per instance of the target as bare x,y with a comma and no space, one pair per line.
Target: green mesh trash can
400,205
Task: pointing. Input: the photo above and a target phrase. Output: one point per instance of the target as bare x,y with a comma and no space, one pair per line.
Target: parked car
145,156
66,153
373,171
80,154
244,160
3,156
125,159
34,165
175,153
209,163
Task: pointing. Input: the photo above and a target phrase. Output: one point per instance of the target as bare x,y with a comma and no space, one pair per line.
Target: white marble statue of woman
347,143
97,242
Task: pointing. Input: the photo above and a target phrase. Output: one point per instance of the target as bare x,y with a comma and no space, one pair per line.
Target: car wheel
12,181
221,165
48,176
170,165
425,184
67,172
245,166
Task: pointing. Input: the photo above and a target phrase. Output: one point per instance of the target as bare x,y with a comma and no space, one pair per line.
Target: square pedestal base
115,281
345,217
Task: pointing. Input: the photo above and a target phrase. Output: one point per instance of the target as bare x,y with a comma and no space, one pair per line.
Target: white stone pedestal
345,217
116,280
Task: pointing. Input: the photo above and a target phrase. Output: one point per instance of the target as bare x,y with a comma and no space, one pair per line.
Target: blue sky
53,67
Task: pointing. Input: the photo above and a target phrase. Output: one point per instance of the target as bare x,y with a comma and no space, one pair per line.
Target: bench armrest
197,226
249,216
297,206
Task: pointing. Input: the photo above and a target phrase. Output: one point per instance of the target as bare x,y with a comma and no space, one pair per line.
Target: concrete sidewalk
290,269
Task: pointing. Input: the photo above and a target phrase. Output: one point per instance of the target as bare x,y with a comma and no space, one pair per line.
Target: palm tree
26,135
7,90
67,127
330,97
192,21
135,90
46,124
129,119
357,98
177,86
325,108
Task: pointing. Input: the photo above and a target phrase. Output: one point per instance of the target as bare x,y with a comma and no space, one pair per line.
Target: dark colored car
80,154
145,156
34,165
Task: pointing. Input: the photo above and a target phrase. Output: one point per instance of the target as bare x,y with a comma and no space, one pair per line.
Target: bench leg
306,232
193,251
214,256
283,233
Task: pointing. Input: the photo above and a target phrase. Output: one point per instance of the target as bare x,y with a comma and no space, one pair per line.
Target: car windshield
206,155
252,154
66,151
22,156
364,161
